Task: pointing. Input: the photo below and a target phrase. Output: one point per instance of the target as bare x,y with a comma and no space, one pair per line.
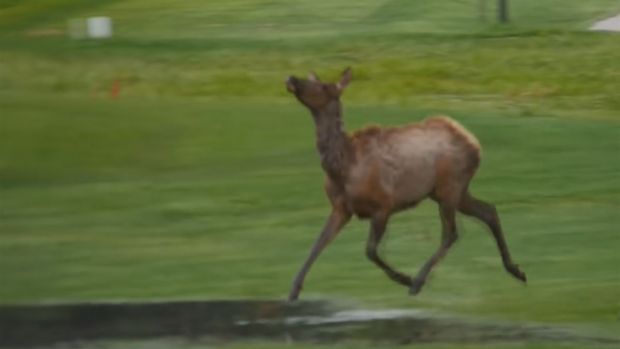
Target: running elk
376,172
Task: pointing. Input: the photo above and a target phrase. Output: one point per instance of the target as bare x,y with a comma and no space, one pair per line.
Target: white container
99,27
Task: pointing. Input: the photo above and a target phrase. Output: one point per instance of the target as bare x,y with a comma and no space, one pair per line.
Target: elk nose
290,83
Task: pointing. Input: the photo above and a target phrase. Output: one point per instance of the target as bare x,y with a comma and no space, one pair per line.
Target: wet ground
313,321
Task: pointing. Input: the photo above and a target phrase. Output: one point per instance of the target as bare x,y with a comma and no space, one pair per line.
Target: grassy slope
175,197
157,19
221,50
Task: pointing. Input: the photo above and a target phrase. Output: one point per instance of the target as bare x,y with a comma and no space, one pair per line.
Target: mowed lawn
186,199
201,180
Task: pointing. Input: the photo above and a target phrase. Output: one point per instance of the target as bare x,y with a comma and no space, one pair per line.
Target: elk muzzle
291,84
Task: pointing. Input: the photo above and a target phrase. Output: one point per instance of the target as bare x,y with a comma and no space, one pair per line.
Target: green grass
201,181
575,72
190,199
529,69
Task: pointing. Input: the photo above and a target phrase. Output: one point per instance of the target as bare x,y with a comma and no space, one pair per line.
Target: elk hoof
416,287
292,297
294,294
517,273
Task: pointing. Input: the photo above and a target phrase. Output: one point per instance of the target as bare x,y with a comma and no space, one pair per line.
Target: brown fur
378,171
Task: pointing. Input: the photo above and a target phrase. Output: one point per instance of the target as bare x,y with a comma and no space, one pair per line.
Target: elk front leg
377,231
448,237
334,224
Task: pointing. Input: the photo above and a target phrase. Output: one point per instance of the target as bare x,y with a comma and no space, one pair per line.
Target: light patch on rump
458,130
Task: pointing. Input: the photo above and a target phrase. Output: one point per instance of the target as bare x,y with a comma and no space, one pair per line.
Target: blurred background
156,155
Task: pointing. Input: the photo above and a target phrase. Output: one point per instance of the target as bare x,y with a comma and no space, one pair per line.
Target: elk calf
377,172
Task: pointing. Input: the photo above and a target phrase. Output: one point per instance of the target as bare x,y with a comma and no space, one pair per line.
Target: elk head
315,94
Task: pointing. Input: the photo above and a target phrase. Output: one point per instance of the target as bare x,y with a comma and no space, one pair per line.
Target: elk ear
312,77
344,80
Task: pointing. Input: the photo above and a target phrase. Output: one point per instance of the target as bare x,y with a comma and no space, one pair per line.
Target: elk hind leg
447,194
487,213
377,231
448,238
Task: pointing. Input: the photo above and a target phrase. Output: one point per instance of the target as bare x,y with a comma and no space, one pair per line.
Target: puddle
308,321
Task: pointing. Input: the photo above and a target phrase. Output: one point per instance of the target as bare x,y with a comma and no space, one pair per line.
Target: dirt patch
46,325
44,32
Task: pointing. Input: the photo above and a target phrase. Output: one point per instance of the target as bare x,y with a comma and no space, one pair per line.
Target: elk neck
332,142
